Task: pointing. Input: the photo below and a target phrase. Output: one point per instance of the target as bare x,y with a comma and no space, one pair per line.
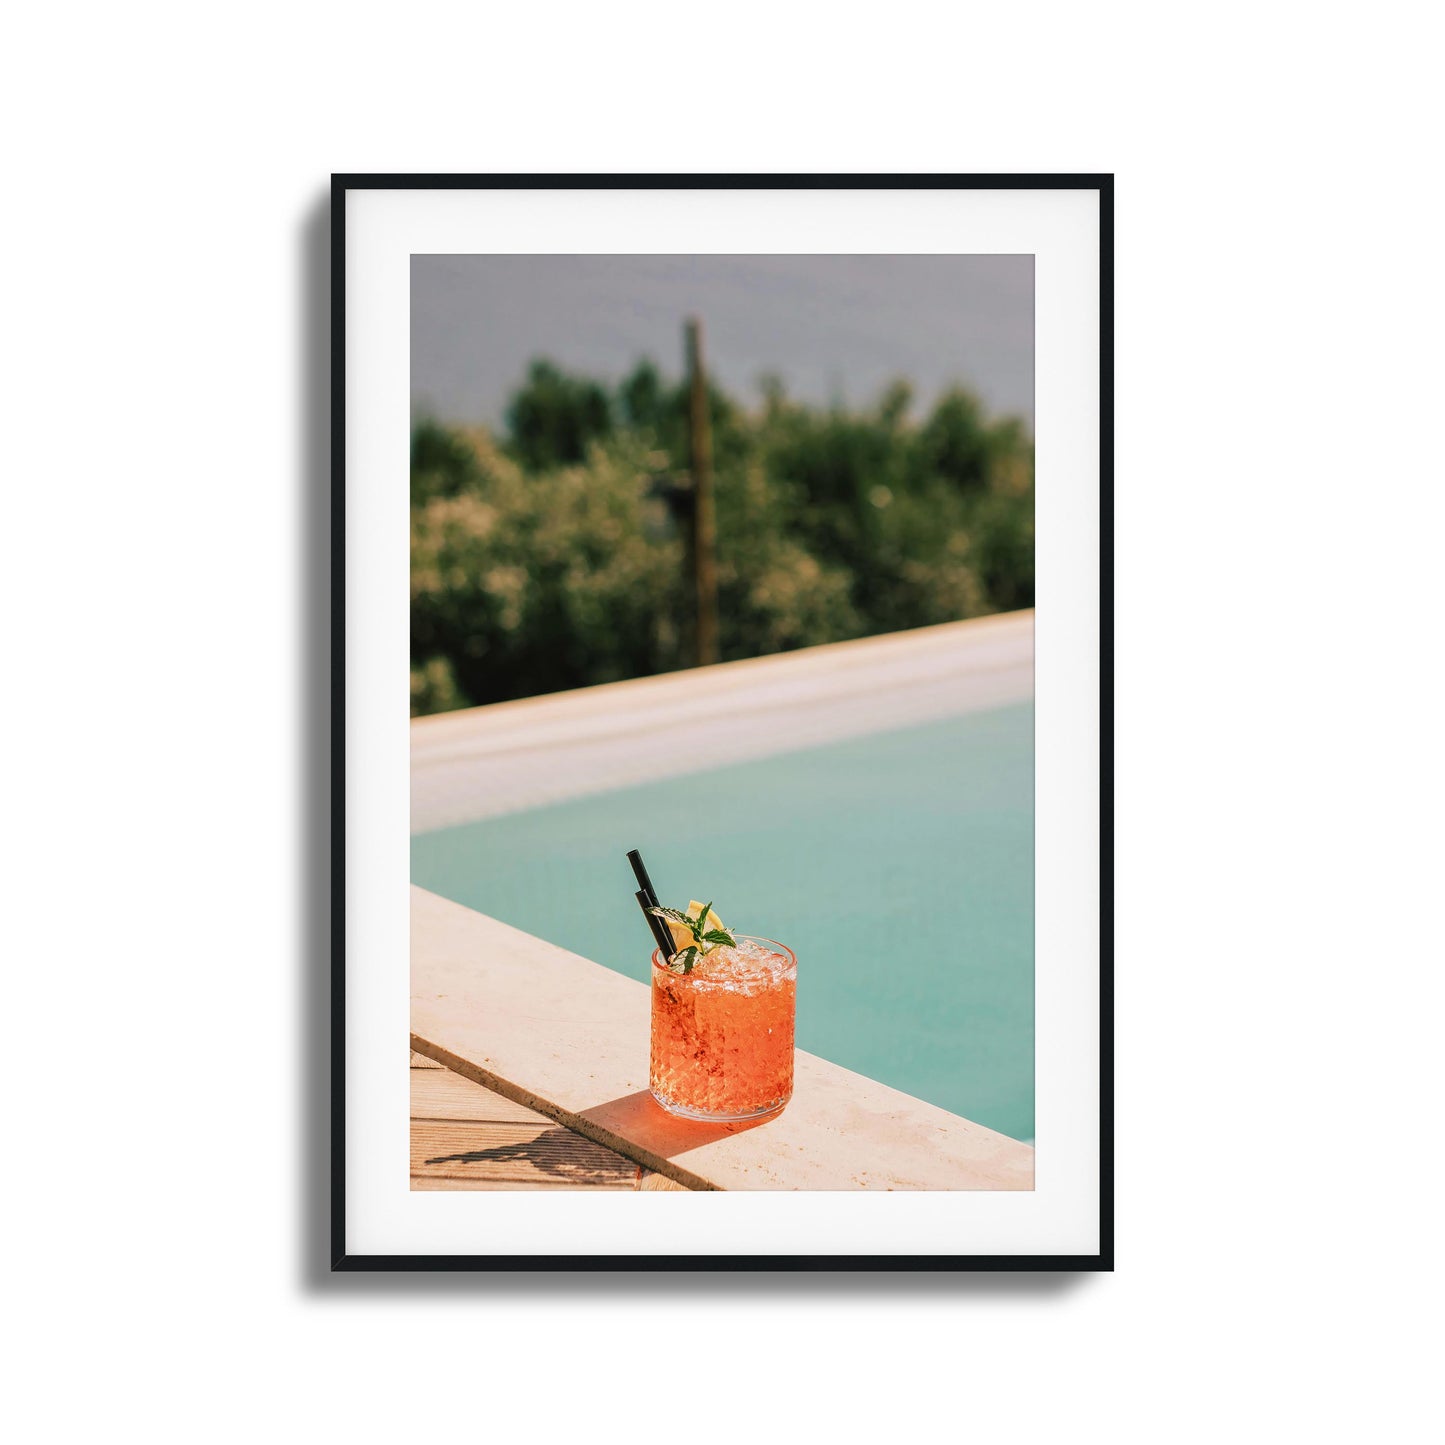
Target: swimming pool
898,866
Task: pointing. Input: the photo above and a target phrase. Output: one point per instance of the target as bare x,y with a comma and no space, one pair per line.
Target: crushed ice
748,968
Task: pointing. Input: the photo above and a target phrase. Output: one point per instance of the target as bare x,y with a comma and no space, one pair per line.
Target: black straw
639,868
647,901
659,928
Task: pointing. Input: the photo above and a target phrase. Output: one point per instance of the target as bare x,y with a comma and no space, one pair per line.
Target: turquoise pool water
899,867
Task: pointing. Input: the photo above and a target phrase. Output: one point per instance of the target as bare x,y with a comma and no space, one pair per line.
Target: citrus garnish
681,929
681,933
694,934
711,921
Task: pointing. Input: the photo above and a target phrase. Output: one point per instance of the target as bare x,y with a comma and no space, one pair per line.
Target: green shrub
554,557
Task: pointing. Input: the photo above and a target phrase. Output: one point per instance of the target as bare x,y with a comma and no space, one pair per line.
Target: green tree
556,558
555,417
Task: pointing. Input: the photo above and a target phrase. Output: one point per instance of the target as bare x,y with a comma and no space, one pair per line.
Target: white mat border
1061,229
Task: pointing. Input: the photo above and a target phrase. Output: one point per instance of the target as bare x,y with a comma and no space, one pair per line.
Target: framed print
721,722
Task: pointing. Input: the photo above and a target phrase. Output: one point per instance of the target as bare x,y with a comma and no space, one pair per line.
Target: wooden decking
464,1136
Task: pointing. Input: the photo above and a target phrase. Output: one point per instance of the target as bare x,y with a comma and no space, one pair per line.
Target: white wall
1278,493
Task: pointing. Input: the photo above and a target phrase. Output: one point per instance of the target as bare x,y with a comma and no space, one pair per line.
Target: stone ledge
569,1038
487,761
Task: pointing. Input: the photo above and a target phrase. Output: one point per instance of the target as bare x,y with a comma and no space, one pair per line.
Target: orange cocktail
722,1033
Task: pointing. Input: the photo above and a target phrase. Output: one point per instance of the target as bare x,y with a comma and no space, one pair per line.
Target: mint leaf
704,940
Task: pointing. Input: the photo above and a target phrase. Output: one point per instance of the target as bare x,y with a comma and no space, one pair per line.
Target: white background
1280,787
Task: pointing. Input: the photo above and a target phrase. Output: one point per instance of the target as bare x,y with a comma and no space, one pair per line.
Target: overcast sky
833,327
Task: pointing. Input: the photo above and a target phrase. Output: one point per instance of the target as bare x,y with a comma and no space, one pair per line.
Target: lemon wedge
713,921
682,934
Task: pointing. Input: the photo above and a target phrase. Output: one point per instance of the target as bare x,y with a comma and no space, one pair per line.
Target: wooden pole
704,516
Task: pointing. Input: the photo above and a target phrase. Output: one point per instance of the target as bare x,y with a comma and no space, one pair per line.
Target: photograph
722,722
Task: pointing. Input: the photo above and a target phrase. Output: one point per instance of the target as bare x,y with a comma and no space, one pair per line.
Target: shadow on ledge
639,1122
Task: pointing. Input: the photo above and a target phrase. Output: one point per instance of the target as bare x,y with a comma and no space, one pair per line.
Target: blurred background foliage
552,555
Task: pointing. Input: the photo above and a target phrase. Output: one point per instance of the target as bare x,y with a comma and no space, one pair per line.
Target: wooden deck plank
515,1153
439,1094
447,1184
652,1181
465,1136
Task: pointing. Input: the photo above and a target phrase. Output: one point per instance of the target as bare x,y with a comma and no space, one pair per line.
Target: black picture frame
341,1258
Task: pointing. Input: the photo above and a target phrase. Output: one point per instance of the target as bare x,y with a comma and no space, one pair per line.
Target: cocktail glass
722,1035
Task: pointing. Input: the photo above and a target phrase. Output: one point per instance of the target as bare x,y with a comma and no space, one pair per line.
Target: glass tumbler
722,1035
